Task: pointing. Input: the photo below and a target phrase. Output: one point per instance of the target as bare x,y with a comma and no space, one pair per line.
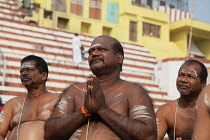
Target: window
107,31
133,31
62,23
95,9
136,2
162,3
112,12
171,6
85,28
149,3
77,7
59,5
48,14
144,3
151,30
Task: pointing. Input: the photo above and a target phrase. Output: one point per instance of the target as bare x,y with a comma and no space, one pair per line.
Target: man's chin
185,93
97,68
26,84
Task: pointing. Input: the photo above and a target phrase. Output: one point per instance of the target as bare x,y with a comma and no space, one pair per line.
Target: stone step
15,50
56,41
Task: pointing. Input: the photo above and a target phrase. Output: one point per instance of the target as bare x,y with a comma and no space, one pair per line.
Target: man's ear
44,76
120,57
203,84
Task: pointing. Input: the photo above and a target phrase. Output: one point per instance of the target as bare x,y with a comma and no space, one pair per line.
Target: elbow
149,133
152,133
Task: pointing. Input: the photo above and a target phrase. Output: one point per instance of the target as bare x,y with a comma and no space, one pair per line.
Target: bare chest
30,111
183,122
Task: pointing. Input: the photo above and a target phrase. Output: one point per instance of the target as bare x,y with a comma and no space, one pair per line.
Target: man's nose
185,79
95,52
24,72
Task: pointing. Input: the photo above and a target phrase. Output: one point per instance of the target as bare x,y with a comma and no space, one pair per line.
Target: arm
140,124
131,127
202,116
161,123
64,117
5,118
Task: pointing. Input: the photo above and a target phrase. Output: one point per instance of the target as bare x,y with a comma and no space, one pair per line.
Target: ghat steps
19,38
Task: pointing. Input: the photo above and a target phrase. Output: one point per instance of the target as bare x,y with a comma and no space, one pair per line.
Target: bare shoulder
134,88
206,90
136,94
14,102
167,108
204,98
54,95
75,89
16,99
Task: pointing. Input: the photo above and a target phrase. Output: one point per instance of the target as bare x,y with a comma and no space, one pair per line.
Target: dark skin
38,106
120,109
202,119
189,85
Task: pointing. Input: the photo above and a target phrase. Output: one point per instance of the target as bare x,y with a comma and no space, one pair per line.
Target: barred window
77,7
133,31
151,30
95,9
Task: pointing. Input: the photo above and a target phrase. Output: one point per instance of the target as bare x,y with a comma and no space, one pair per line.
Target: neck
188,101
35,93
108,81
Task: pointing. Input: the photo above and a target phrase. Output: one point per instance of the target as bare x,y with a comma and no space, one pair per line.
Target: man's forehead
103,39
95,45
189,70
27,64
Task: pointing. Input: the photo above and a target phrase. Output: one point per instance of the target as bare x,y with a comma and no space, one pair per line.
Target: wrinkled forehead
27,64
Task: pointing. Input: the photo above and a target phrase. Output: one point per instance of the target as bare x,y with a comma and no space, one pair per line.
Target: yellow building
126,21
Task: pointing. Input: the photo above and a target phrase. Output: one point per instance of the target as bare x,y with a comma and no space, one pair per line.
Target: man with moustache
24,116
176,118
105,107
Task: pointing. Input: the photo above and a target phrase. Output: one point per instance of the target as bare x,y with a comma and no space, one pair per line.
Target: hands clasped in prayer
94,98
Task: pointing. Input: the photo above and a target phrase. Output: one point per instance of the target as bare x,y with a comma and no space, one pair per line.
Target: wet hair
204,73
40,63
